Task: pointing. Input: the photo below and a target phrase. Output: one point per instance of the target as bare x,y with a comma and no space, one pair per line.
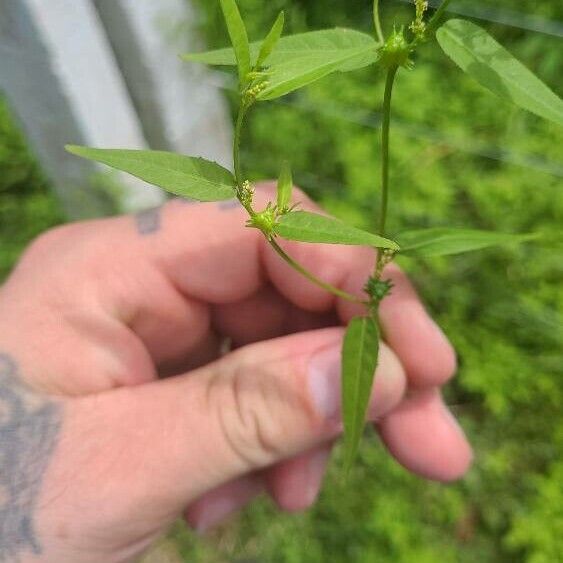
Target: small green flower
265,221
396,50
378,289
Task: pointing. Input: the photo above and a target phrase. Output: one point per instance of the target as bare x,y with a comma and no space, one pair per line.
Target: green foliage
312,227
186,176
271,40
239,39
488,62
27,207
445,242
458,158
301,59
529,529
316,55
359,361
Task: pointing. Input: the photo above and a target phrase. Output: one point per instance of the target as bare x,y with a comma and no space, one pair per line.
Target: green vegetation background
462,158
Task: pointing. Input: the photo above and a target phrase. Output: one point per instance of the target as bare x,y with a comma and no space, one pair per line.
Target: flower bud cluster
264,221
246,194
418,26
250,94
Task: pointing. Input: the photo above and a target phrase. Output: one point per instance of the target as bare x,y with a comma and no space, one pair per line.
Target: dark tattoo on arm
29,428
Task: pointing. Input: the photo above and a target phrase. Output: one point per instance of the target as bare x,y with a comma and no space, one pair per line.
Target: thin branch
312,278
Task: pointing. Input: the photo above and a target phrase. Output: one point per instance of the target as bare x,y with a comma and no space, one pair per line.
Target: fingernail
316,471
324,382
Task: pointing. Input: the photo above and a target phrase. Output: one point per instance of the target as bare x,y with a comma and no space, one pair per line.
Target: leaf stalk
311,277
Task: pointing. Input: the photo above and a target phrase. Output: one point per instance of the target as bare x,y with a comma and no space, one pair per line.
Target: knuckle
260,412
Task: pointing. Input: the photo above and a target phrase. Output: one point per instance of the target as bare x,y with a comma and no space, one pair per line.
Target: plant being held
279,65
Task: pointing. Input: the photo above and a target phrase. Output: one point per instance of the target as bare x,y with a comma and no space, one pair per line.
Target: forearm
30,425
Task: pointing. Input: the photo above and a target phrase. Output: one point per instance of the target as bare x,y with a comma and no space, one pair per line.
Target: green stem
385,133
377,22
293,263
312,278
236,146
435,20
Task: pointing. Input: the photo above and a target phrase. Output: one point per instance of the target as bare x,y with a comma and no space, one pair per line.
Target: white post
106,75
177,104
61,78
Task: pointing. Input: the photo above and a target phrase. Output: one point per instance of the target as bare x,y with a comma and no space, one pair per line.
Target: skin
123,409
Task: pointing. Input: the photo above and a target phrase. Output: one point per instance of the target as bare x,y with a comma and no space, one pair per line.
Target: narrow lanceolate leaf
443,242
285,187
298,60
310,227
239,38
271,40
186,176
488,62
359,361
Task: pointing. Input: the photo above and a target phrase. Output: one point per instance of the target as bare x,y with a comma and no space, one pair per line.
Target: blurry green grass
502,308
27,208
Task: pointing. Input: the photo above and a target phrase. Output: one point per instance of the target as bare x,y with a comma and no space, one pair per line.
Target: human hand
99,454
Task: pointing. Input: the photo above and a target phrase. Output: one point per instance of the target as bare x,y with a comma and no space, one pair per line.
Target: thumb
254,407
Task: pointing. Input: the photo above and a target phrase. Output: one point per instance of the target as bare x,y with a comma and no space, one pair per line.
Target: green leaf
181,175
271,40
285,187
488,62
298,60
315,56
444,242
239,38
359,361
311,227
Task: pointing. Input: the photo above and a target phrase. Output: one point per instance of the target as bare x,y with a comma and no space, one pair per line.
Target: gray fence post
178,106
107,75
